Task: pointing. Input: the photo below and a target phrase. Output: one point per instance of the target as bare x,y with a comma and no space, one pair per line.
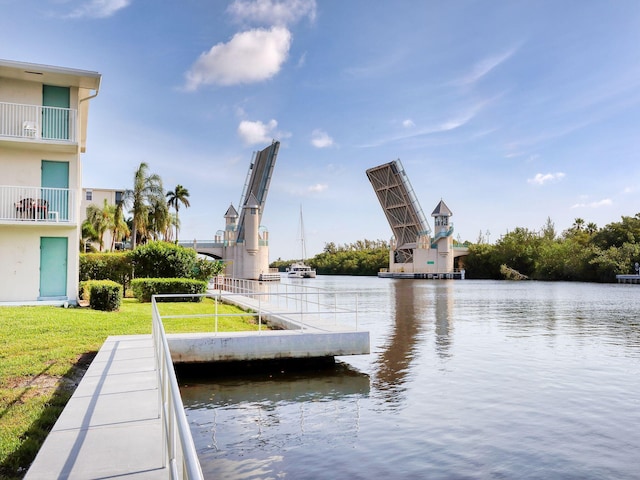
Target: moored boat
300,270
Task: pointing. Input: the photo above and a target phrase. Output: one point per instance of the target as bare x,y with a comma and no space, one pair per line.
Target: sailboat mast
303,251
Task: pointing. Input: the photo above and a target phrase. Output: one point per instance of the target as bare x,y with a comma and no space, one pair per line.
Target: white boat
300,269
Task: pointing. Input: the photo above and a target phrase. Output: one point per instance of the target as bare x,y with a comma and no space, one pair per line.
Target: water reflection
272,386
243,423
393,364
417,304
541,381
443,300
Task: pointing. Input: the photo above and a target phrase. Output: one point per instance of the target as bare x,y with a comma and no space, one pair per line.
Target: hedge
104,295
106,266
144,288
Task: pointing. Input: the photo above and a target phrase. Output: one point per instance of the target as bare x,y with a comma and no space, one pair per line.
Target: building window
119,196
89,195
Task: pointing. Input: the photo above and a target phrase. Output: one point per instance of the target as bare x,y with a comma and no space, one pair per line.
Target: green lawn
44,350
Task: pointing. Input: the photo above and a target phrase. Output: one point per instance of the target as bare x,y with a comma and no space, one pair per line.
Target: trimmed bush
105,295
145,288
168,260
163,260
106,266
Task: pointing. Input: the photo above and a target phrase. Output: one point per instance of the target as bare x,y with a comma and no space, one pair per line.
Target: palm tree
179,195
146,188
87,236
158,217
101,219
119,229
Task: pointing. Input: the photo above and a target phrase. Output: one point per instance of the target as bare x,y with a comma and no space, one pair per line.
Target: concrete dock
111,426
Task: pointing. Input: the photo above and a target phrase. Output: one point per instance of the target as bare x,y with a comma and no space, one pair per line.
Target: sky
511,112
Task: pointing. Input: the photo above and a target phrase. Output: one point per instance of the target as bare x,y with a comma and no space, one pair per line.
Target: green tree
101,220
120,229
178,196
158,217
616,234
146,188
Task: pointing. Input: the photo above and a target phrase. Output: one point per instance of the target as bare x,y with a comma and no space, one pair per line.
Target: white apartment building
97,196
43,128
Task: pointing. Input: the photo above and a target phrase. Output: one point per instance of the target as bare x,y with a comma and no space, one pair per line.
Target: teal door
53,266
55,120
54,179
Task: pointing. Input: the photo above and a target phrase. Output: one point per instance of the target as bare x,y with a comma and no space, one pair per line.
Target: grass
45,350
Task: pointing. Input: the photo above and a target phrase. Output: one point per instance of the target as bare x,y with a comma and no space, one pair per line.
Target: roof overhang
50,75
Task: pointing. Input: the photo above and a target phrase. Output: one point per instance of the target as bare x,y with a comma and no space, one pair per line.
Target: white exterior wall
20,263
246,265
20,166
427,260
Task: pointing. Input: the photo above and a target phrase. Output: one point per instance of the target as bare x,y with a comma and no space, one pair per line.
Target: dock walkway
111,427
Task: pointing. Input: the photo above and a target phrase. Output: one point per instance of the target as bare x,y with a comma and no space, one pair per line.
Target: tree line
363,257
583,252
149,206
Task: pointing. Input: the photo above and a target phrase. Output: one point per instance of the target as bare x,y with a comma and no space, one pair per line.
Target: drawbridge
257,184
401,207
243,244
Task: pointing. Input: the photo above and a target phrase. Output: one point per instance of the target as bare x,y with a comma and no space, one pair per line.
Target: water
465,380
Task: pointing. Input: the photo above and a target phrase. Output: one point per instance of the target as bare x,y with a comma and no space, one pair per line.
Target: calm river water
466,379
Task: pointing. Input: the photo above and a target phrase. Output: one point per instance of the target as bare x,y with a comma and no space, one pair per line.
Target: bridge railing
303,305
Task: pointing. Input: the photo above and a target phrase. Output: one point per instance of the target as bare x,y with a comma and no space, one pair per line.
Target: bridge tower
247,251
415,251
244,244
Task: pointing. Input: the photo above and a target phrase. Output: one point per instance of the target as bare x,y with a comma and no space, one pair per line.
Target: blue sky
510,111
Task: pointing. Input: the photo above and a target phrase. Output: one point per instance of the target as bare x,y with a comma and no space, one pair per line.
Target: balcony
37,205
35,124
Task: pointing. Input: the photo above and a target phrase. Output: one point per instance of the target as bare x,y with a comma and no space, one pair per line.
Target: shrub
145,288
105,295
163,260
106,266
205,270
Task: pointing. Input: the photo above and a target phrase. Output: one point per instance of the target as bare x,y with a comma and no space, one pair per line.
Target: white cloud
252,133
320,139
272,12
249,57
542,178
485,66
317,188
99,8
601,203
408,123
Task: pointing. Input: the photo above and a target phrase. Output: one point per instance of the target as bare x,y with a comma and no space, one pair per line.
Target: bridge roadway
111,427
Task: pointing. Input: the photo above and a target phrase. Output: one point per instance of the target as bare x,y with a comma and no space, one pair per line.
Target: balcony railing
36,122
37,204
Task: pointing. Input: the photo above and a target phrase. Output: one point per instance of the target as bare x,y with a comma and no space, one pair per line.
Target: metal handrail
179,451
291,300
38,204
38,122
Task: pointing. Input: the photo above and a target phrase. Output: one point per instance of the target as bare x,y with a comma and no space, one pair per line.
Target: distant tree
176,197
120,229
101,220
616,234
158,217
88,235
549,230
146,188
